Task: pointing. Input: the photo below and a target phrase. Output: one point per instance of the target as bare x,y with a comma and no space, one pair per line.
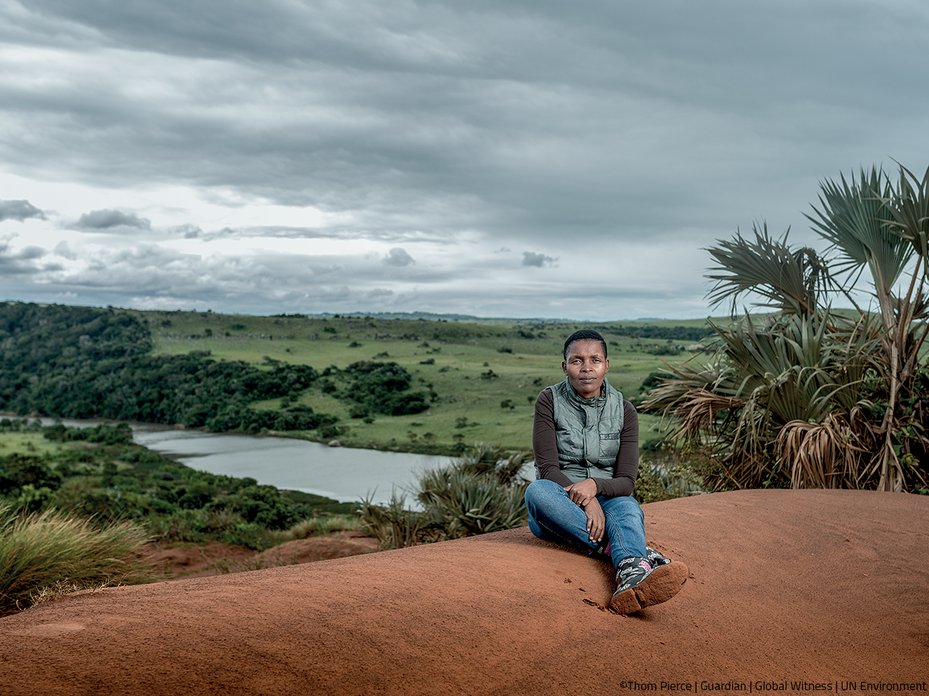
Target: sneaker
631,572
655,558
641,585
662,583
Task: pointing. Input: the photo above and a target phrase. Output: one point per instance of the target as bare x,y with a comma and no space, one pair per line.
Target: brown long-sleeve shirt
545,448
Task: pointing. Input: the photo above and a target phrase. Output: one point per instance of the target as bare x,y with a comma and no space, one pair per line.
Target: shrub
468,503
193,525
663,476
383,388
358,411
395,526
197,495
481,492
18,470
324,524
405,404
55,550
260,505
252,536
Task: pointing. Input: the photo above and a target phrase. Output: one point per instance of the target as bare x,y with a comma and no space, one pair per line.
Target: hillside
788,590
398,383
481,376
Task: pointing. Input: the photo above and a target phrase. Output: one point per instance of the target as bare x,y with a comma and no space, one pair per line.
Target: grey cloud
266,279
22,262
31,252
525,130
108,219
64,250
398,257
387,232
531,258
19,210
187,231
524,124
147,275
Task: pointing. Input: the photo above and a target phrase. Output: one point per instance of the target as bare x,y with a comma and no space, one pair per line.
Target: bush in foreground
481,492
52,553
810,396
665,477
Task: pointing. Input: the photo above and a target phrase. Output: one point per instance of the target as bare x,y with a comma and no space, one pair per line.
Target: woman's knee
542,490
624,506
543,494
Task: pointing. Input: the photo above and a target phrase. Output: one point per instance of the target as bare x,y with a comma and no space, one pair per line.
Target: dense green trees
383,387
653,332
810,396
79,362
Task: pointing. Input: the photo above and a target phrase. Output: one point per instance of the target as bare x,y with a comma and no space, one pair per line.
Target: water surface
343,473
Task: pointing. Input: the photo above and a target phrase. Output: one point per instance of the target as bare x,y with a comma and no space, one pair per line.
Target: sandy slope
814,586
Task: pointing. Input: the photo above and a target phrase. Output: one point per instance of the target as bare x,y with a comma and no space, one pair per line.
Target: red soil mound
169,561
788,589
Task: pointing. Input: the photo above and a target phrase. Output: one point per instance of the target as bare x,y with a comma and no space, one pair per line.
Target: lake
342,473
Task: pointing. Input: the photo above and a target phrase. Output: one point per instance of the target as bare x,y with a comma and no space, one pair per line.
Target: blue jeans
554,517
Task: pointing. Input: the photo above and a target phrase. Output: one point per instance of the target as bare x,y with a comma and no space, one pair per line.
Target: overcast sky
531,158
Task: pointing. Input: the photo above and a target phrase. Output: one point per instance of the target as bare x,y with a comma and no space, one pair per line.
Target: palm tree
808,395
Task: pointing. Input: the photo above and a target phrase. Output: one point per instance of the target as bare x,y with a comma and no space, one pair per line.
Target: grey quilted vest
587,431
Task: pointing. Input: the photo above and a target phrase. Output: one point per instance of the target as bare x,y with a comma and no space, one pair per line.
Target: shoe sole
625,602
662,584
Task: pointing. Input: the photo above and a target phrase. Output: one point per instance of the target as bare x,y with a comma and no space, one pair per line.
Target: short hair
584,335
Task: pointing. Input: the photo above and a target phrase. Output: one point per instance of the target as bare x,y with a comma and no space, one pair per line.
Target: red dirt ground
169,561
788,590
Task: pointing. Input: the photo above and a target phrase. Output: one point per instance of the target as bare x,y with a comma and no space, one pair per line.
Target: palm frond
854,218
789,280
909,210
821,455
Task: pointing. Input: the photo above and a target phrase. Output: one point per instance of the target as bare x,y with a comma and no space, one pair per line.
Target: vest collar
578,400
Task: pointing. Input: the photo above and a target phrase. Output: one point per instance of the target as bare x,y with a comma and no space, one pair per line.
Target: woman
586,444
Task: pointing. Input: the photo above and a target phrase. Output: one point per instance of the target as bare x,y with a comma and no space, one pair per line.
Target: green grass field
486,374
29,443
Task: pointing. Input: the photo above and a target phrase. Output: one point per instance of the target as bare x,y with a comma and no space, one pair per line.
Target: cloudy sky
529,158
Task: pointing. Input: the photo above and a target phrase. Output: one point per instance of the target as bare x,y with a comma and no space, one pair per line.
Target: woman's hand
582,492
596,524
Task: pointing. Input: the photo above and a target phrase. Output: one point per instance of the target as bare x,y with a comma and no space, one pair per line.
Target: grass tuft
48,554
324,524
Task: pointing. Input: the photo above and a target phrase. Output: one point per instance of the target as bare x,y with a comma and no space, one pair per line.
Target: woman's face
586,366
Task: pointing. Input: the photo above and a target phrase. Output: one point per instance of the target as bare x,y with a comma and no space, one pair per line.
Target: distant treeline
79,362
649,331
